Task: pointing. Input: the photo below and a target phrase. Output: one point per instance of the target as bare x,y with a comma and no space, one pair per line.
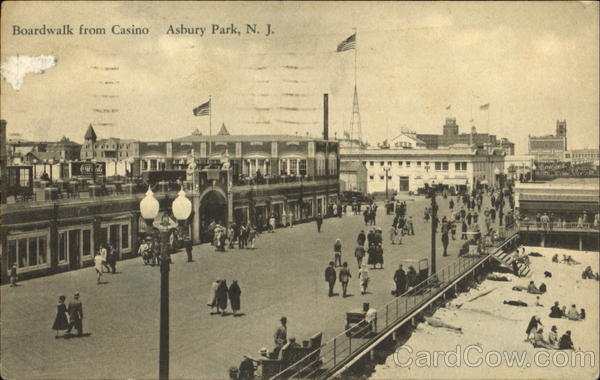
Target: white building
410,169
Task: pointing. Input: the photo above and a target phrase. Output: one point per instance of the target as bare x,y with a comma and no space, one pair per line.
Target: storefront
75,245
29,250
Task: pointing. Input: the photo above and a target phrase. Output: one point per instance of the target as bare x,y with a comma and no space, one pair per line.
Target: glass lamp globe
496,171
182,206
149,205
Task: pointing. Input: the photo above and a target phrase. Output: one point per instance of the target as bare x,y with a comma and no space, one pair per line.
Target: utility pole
386,182
434,209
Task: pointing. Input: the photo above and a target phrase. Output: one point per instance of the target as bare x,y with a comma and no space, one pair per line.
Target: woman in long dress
222,297
212,297
363,276
234,297
61,321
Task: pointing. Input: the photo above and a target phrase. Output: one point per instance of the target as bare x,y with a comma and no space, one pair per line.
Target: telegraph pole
434,210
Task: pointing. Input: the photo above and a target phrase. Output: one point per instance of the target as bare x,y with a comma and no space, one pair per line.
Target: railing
358,337
550,226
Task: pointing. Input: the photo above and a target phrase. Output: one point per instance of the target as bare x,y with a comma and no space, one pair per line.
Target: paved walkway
283,276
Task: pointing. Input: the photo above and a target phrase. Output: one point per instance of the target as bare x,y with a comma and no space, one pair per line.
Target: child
13,275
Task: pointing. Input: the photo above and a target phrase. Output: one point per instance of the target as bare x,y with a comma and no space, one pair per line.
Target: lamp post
533,167
386,182
182,209
434,209
497,176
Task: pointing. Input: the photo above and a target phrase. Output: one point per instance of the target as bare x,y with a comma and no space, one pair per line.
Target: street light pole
434,208
182,208
386,182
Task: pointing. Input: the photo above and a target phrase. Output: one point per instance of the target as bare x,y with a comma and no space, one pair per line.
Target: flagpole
355,53
209,127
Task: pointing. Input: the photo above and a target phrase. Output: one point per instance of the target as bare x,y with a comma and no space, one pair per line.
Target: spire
90,134
355,129
223,131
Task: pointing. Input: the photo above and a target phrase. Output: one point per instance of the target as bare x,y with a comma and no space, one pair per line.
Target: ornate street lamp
182,209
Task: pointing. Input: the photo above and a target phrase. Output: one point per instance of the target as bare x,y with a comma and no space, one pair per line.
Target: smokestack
326,116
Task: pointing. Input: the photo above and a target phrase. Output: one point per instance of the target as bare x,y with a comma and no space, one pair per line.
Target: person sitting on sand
555,258
537,301
532,288
495,277
582,314
555,311
565,342
573,314
435,322
569,260
539,341
553,337
543,288
587,273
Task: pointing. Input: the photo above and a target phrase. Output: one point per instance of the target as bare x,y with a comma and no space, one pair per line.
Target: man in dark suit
188,248
75,310
319,220
330,277
400,280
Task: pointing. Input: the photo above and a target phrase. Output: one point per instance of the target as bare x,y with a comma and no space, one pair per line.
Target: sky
534,63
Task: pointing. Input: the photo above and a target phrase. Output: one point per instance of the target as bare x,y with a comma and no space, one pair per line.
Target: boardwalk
284,276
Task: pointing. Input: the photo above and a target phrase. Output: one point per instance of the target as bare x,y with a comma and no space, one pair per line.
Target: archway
213,209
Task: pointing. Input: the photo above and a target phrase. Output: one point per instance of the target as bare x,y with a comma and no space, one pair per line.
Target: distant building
583,156
66,149
550,147
451,136
353,176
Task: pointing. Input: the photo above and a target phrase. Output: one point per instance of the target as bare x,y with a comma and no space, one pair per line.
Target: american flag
348,44
202,110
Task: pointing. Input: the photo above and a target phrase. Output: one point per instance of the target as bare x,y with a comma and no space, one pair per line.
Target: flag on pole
448,107
348,44
202,110
485,106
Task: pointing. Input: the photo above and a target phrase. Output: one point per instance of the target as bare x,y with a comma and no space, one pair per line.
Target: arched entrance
213,208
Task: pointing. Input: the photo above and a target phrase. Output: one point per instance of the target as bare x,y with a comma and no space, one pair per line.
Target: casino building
229,178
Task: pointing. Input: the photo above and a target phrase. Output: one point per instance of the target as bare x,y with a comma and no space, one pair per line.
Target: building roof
90,134
223,131
375,152
237,138
44,156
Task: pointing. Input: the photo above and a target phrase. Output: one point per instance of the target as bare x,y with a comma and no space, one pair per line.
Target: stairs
507,259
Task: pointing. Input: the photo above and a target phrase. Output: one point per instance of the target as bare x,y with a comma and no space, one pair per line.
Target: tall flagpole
355,53
209,127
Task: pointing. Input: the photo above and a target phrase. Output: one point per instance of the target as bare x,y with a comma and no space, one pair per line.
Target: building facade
404,170
353,176
550,147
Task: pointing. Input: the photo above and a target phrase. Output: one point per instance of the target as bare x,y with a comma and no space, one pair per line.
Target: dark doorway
213,208
403,183
74,249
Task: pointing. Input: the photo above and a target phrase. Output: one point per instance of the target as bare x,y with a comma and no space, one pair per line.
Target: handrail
412,299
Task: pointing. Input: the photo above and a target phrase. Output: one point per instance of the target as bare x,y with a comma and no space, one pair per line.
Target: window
28,251
418,164
371,177
293,165
371,163
24,177
389,163
389,177
365,163
444,166
408,164
381,177
399,163
62,247
153,165
381,163
438,165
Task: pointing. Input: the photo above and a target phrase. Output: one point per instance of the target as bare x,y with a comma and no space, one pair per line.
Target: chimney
326,116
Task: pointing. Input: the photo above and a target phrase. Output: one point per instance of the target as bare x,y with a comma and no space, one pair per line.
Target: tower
90,138
561,130
355,122
450,127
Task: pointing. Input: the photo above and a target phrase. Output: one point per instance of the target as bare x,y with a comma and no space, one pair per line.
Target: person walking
187,243
359,252
330,277
251,237
345,278
222,291
75,311
98,260
411,228
361,238
464,231
445,242
363,276
61,321
104,254
234,297
111,257
212,297
337,252
400,280
319,220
